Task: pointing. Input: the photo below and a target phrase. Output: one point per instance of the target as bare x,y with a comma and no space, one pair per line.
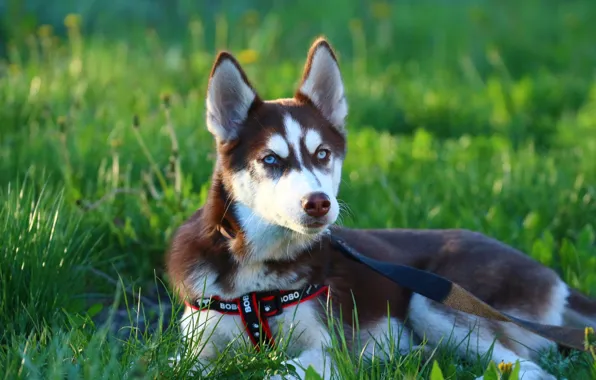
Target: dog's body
265,223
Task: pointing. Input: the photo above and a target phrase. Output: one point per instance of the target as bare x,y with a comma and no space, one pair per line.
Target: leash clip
271,304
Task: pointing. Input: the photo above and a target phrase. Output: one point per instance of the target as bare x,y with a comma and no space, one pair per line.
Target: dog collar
256,308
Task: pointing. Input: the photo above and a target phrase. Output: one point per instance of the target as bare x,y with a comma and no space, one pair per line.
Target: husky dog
258,251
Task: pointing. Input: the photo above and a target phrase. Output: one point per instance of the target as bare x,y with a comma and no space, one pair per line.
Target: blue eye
270,160
323,154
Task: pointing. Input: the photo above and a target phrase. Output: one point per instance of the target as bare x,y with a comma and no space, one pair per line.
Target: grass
478,115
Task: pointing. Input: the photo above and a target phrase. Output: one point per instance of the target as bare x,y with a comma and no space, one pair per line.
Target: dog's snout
316,204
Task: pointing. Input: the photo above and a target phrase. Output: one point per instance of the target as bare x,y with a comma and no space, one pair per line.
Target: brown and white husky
261,238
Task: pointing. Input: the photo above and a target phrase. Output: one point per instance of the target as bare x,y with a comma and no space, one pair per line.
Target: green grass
479,115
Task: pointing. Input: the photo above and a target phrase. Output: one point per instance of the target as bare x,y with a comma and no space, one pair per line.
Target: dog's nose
316,204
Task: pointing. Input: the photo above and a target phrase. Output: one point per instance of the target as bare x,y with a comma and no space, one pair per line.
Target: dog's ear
229,98
323,85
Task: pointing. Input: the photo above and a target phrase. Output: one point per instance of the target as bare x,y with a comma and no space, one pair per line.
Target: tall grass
44,256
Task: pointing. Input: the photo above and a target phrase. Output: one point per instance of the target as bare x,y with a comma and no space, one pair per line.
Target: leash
450,294
427,284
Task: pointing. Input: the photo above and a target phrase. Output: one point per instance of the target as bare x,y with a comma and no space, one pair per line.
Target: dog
262,238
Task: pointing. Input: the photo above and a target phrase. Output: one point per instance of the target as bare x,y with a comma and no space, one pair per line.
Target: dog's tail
580,310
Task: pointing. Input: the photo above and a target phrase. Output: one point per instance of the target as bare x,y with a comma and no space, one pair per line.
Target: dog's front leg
205,333
309,336
318,359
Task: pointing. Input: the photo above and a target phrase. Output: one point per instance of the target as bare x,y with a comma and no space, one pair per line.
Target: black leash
442,290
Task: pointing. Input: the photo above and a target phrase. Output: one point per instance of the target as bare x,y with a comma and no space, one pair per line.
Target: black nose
316,204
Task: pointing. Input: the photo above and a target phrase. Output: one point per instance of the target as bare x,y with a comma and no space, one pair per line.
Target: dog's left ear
323,85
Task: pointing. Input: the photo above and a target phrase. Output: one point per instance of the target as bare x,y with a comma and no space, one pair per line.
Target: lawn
471,114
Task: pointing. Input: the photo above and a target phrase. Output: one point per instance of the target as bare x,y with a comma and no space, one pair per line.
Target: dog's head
281,159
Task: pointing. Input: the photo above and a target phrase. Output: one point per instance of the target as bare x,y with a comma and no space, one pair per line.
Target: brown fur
496,273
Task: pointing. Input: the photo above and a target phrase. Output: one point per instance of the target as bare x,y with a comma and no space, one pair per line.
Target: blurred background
518,66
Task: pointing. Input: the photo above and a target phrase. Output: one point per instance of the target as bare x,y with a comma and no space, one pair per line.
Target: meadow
467,114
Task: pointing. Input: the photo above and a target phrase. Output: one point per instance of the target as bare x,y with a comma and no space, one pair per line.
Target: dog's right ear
323,85
229,98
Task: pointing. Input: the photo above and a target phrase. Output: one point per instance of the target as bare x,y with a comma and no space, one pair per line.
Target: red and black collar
256,308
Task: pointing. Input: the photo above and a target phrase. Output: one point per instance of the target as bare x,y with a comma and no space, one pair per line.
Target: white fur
309,336
312,140
229,98
269,241
266,204
324,86
294,134
337,165
470,335
376,338
278,145
528,344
